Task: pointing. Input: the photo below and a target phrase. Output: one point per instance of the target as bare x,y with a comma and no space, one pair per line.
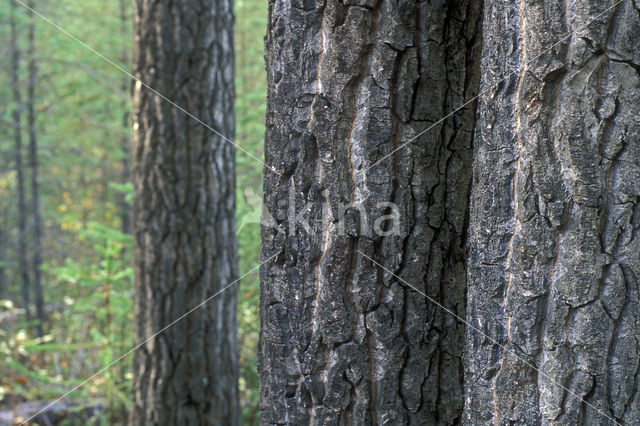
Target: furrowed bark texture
185,249
554,246
342,340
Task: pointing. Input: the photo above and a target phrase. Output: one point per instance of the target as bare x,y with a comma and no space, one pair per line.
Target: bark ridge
342,341
555,258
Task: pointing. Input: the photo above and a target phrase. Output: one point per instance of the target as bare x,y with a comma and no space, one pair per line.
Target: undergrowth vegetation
87,271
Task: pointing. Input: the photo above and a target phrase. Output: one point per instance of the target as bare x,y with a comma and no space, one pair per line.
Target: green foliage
81,105
105,298
91,328
251,92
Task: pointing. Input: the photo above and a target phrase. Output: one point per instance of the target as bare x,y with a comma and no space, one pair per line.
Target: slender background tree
36,245
125,139
555,253
16,114
343,340
184,207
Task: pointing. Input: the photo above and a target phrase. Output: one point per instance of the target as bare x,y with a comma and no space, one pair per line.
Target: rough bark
184,205
342,341
16,115
36,245
554,249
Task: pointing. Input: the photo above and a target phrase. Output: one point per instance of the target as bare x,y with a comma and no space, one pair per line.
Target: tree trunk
17,128
184,225
554,249
342,340
3,259
125,142
35,190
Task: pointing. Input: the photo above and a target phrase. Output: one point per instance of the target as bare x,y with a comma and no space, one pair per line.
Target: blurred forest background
81,106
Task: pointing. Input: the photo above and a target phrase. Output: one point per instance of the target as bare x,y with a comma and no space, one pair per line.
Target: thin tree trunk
17,128
35,190
554,248
3,260
343,341
125,143
184,215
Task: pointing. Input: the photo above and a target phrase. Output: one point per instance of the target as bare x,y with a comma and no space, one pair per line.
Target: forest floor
14,410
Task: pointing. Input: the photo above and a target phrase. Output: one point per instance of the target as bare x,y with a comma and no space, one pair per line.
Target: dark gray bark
342,341
184,205
36,245
17,128
554,249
